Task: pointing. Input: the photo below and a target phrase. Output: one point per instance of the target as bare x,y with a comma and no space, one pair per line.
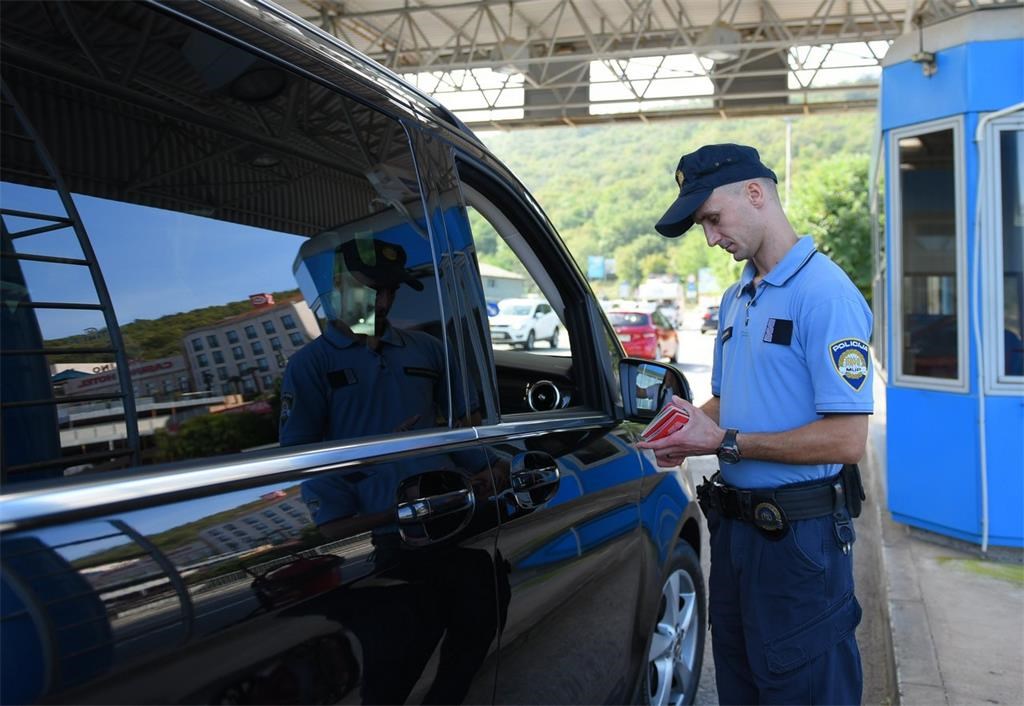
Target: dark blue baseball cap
701,172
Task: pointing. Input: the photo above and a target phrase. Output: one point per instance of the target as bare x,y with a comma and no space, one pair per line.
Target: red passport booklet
669,420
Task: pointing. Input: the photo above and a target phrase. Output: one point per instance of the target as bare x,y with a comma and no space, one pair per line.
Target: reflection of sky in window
155,262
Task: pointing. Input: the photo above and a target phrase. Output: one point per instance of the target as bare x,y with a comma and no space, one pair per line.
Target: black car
709,321
176,179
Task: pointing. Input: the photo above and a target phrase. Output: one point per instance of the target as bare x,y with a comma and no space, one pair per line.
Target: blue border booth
950,290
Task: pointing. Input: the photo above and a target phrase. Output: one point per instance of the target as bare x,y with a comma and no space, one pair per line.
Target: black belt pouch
854,488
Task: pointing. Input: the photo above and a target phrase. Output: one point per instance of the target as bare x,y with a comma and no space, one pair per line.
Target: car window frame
503,192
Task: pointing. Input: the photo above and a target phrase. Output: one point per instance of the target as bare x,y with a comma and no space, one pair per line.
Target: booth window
1010,219
930,321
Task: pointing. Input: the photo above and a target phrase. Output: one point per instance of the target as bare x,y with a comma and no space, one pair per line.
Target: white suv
524,322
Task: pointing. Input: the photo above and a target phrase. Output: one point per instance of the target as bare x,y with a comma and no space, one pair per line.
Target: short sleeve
834,334
304,403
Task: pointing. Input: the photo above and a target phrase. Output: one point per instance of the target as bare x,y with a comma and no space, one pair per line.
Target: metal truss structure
533,62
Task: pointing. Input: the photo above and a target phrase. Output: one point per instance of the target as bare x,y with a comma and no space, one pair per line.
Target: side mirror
646,386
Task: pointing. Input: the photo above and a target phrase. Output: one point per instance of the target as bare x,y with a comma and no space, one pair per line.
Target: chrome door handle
434,506
534,477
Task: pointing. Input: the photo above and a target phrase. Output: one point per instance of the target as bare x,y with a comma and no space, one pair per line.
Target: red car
645,334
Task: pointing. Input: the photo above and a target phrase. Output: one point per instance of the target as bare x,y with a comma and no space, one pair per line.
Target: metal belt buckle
771,520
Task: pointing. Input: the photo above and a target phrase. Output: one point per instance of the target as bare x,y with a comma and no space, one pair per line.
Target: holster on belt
772,509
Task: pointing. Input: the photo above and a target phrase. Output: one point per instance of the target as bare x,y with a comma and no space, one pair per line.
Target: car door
570,550
158,543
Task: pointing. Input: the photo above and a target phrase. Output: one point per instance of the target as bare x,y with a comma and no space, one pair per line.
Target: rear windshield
628,319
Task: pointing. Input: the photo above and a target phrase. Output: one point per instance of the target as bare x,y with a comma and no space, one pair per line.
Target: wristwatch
728,451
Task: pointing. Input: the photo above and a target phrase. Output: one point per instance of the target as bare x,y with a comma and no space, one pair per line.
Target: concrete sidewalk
957,619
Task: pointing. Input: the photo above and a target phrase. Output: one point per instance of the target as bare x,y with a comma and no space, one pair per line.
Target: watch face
728,455
729,452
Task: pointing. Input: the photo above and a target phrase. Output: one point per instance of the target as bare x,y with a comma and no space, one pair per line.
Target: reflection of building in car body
91,426
247,352
278,519
162,377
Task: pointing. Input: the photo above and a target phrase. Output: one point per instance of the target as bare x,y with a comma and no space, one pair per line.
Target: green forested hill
147,339
605,186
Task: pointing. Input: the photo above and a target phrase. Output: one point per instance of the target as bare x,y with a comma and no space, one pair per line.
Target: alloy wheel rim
673,652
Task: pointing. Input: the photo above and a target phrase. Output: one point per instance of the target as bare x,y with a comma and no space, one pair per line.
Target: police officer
791,392
347,383
359,379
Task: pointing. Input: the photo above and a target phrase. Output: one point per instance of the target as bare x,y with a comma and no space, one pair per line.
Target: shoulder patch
287,403
850,359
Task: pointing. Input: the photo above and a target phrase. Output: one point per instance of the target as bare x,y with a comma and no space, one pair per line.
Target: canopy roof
546,61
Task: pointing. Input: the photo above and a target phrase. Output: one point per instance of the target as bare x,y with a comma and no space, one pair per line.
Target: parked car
709,322
161,162
671,314
523,322
645,334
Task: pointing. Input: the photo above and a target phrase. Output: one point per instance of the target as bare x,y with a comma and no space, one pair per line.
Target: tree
213,434
830,203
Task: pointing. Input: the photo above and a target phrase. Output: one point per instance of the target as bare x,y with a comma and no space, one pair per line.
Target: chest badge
850,359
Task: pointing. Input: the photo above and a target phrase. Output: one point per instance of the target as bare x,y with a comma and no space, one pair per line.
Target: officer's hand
700,436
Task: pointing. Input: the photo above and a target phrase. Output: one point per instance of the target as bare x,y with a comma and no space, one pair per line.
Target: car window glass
234,211
527,322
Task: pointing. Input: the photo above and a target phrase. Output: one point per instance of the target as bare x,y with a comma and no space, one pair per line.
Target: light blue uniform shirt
790,352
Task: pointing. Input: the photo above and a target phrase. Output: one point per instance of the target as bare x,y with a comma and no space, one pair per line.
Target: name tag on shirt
342,378
726,334
778,331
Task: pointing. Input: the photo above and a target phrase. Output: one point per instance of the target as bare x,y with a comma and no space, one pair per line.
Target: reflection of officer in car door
351,383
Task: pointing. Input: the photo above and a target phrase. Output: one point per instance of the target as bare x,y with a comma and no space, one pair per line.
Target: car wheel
530,340
554,338
676,647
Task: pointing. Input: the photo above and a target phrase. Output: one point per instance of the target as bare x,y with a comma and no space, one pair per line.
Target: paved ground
956,618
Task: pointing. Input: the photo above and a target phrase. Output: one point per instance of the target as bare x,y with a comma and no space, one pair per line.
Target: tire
675,651
554,338
531,340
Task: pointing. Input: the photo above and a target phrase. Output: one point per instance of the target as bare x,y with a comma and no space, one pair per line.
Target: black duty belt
772,509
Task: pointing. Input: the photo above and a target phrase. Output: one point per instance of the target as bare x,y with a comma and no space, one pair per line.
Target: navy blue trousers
783,615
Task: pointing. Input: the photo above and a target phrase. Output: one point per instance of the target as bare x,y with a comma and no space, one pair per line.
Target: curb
915,660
